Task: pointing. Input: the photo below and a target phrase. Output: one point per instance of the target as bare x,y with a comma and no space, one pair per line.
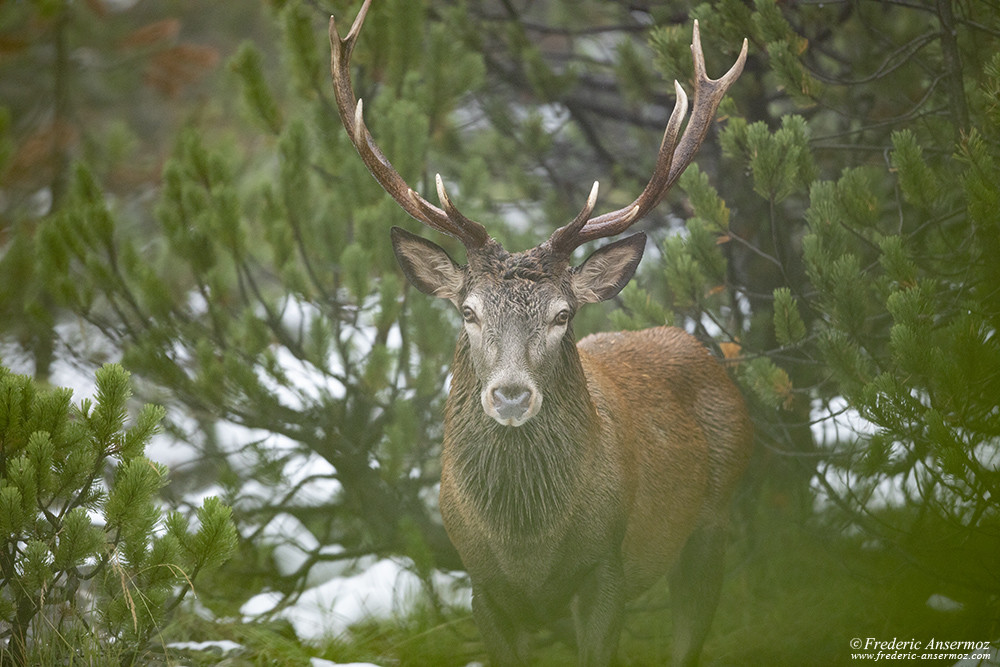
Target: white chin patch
509,422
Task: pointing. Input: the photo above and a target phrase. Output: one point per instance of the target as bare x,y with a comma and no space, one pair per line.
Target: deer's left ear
606,272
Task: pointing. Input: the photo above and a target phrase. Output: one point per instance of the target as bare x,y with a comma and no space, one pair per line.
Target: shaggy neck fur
521,479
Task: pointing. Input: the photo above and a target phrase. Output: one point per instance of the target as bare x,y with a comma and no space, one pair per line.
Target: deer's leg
597,609
506,640
695,583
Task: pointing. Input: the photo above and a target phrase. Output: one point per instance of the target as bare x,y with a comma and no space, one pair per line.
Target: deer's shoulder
667,345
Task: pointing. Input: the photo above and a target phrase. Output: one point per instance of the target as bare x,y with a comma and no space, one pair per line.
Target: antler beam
447,219
673,159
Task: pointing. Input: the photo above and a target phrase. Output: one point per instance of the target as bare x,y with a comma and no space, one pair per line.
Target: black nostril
511,402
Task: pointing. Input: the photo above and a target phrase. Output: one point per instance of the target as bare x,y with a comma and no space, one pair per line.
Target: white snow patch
943,603
170,451
294,544
384,588
306,384
834,421
260,604
222,645
886,493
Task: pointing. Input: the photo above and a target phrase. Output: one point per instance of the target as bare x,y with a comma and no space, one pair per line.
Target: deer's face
516,310
515,328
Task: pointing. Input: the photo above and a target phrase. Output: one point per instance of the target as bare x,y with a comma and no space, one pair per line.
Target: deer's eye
469,315
561,318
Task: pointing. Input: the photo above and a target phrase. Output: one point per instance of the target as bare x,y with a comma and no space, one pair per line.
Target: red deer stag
573,475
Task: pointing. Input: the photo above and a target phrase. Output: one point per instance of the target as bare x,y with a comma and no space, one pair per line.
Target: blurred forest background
177,196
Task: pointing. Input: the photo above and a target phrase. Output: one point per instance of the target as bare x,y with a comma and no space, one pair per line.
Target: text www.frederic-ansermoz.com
877,650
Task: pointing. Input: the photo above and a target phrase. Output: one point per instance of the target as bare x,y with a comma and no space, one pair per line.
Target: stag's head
517,308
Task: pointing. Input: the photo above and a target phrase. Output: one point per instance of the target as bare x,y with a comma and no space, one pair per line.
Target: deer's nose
511,402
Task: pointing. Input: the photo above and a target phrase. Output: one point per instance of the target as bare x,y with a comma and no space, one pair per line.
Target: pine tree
81,81
265,299
90,565
857,270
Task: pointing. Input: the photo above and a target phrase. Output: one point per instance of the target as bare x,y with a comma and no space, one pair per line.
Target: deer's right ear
426,265
606,272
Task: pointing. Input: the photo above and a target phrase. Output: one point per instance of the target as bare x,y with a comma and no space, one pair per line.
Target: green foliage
86,563
780,162
916,179
259,287
671,45
640,310
636,79
784,50
705,200
788,325
769,383
302,49
684,274
885,305
256,92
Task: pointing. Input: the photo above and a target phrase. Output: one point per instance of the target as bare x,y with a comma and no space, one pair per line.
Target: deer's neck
521,479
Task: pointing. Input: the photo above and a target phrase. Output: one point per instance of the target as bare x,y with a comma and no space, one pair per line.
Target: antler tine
674,157
708,94
448,221
562,240
566,239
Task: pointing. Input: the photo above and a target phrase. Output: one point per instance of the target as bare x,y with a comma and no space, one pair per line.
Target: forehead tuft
532,265
536,264
521,277
530,273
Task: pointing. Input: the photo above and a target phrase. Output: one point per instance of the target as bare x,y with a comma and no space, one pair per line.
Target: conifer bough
89,567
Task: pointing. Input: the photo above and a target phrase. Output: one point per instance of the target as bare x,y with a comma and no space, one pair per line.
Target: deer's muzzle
511,404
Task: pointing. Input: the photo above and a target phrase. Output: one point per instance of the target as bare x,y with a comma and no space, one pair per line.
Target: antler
673,159
447,220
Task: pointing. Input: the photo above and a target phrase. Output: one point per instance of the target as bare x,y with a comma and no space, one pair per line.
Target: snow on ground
379,589
225,647
219,646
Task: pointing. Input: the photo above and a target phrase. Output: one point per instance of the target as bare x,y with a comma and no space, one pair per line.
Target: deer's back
682,423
